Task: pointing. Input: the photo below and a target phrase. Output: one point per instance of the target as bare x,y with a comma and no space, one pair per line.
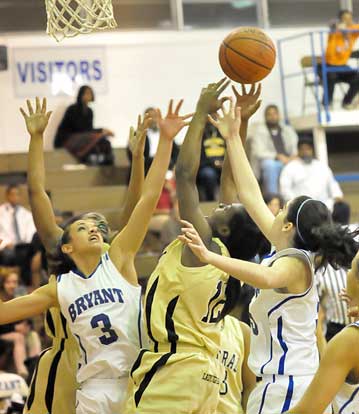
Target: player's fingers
223,87
212,120
187,116
170,107
29,107
38,107
252,90
178,107
221,82
238,110
44,106
159,113
258,91
256,106
23,113
243,86
48,115
236,93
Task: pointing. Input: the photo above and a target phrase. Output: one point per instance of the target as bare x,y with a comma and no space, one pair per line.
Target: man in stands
272,146
16,229
340,47
309,176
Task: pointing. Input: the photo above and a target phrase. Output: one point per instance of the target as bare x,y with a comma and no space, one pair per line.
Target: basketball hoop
68,18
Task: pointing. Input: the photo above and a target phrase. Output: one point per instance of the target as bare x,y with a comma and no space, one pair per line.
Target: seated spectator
339,50
11,385
309,176
151,142
272,145
210,168
275,202
77,134
17,229
26,342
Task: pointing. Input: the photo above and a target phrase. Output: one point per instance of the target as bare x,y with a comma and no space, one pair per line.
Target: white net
68,18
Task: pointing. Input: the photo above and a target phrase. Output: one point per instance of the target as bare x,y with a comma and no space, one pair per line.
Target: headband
297,218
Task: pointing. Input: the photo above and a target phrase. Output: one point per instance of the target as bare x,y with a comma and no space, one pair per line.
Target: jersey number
218,299
224,389
110,335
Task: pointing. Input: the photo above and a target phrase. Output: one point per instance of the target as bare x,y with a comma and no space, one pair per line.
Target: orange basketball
247,55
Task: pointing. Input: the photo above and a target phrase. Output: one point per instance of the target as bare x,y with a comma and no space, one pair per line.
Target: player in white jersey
337,378
99,293
283,342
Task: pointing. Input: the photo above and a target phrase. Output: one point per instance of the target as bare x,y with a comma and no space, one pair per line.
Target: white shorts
277,393
347,400
105,396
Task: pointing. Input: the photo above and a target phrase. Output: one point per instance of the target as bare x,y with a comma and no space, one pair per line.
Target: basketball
247,55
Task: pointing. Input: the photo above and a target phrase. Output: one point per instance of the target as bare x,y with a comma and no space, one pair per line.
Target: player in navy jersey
283,313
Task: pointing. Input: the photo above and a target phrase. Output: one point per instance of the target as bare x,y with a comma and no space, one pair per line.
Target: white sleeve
334,190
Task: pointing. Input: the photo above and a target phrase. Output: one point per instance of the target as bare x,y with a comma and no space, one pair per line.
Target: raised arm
340,358
286,272
129,240
249,103
44,218
246,183
136,145
28,306
189,159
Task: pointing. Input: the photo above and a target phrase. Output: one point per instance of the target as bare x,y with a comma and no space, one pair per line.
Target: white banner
53,71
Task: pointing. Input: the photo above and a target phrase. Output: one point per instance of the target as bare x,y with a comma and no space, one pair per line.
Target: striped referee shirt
330,282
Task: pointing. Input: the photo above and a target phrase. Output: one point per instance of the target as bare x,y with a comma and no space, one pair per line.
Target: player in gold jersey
238,379
184,300
53,386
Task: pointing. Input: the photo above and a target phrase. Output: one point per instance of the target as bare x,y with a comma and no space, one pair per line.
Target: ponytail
316,232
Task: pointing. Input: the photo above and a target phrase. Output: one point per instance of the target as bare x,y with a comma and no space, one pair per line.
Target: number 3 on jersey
110,335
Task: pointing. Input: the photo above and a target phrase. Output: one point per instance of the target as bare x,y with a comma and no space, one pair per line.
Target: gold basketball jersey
183,304
231,356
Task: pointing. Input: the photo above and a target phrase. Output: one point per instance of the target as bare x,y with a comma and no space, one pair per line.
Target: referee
330,283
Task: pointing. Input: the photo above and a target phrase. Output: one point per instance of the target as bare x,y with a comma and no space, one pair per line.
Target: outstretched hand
136,141
230,123
208,101
193,240
172,124
36,122
249,102
353,309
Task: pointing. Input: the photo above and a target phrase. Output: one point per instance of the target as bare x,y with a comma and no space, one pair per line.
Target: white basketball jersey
283,339
103,311
347,400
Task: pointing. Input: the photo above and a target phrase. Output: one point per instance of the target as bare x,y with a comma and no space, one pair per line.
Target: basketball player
284,352
239,380
339,369
98,293
53,386
184,300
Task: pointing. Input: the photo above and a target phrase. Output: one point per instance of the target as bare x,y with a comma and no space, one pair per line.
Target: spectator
272,146
77,134
339,49
10,384
331,282
151,142
212,157
309,176
17,229
275,202
26,342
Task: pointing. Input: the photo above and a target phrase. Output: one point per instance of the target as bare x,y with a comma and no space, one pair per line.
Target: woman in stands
60,361
99,293
77,134
185,300
284,352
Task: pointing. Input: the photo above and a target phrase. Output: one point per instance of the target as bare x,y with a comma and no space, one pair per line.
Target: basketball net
68,18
